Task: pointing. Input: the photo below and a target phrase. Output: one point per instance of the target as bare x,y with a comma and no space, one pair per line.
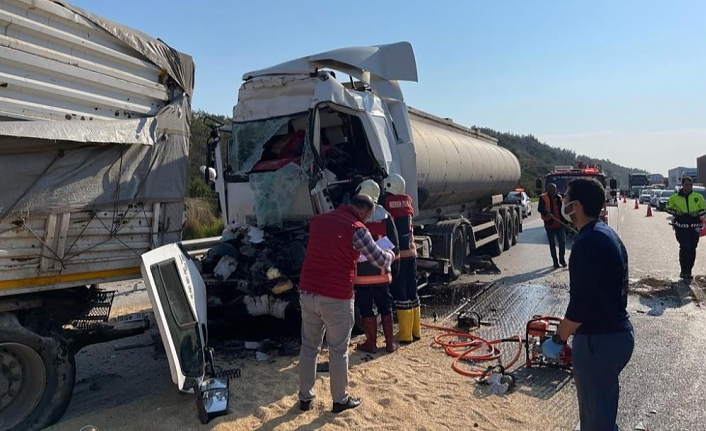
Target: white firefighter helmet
370,188
395,184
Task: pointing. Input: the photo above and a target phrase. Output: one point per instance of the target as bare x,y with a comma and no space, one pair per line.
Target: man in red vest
550,209
404,283
372,284
336,241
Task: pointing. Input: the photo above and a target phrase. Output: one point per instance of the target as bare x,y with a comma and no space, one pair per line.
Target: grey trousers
336,317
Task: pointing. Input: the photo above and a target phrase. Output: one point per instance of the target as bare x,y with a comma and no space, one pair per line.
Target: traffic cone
649,210
637,205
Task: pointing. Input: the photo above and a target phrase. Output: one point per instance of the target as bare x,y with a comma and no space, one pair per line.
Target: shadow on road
676,296
541,383
537,235
529,276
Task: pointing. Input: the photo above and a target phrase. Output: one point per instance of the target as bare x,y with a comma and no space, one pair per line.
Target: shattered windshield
271,155
248,141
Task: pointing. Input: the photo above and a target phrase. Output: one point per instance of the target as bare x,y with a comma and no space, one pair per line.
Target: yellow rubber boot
416,323
405,319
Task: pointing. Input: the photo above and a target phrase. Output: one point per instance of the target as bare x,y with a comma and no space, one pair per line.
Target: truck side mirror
614,184
538,186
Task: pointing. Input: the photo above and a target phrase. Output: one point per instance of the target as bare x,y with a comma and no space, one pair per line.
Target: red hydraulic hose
465,350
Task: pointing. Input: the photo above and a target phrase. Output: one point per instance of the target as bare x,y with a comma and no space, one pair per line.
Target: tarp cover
179,66
143,160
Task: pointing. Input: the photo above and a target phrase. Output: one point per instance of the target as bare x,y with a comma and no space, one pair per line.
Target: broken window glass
274,193
248,142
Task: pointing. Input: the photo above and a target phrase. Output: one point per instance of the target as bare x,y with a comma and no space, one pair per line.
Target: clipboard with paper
384,243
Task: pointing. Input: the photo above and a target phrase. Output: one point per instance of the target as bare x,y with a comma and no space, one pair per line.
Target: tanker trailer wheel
37,377
496,247
509,229
516,223
458,250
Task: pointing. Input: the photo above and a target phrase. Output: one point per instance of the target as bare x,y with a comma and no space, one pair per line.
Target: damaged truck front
302,140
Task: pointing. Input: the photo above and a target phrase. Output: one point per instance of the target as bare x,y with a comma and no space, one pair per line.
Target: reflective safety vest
401,209
380,226
330,261
554,210
692,203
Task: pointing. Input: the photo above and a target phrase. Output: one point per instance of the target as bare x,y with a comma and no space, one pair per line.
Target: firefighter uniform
404,283
372,285
550,209
688,211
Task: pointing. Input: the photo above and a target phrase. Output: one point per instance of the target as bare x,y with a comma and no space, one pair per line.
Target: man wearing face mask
597,313
549,207
688,208
336,241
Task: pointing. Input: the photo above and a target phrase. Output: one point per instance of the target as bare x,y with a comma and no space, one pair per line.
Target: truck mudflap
178,296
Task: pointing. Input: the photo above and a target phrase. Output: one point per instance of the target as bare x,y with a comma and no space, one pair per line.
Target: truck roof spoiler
391,62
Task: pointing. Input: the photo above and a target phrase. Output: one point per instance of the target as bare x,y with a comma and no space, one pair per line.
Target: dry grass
201,221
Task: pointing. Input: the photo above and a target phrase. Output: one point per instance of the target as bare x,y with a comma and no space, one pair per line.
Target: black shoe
688,277
556,265
562,263
305,406
350,404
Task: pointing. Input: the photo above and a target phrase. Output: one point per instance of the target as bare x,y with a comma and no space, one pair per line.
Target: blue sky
623,80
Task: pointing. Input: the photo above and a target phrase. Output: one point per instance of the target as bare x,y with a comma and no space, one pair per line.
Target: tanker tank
457,165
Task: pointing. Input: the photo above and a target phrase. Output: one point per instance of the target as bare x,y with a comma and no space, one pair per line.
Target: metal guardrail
199,247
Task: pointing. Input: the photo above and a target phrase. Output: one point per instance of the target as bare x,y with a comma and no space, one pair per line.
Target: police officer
404,283
597,313
549,205
372,284
687,207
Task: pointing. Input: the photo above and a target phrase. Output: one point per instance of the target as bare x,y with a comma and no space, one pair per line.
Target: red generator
539,329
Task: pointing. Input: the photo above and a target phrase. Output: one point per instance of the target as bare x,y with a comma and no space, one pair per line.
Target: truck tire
496,247
509,228
459,246
516,223
37,376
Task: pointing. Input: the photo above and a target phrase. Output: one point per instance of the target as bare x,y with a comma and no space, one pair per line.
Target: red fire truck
562,175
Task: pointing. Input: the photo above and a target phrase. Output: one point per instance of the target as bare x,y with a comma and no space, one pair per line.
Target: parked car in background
663,198
656,194
645,196
521,197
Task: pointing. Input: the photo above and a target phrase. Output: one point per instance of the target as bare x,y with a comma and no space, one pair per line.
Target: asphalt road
662,386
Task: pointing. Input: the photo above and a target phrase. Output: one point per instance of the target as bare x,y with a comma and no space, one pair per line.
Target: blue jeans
556,235
598,361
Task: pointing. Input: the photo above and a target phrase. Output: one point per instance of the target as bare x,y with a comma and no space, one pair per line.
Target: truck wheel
516,223
496,247
37,376
509,229
457,252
